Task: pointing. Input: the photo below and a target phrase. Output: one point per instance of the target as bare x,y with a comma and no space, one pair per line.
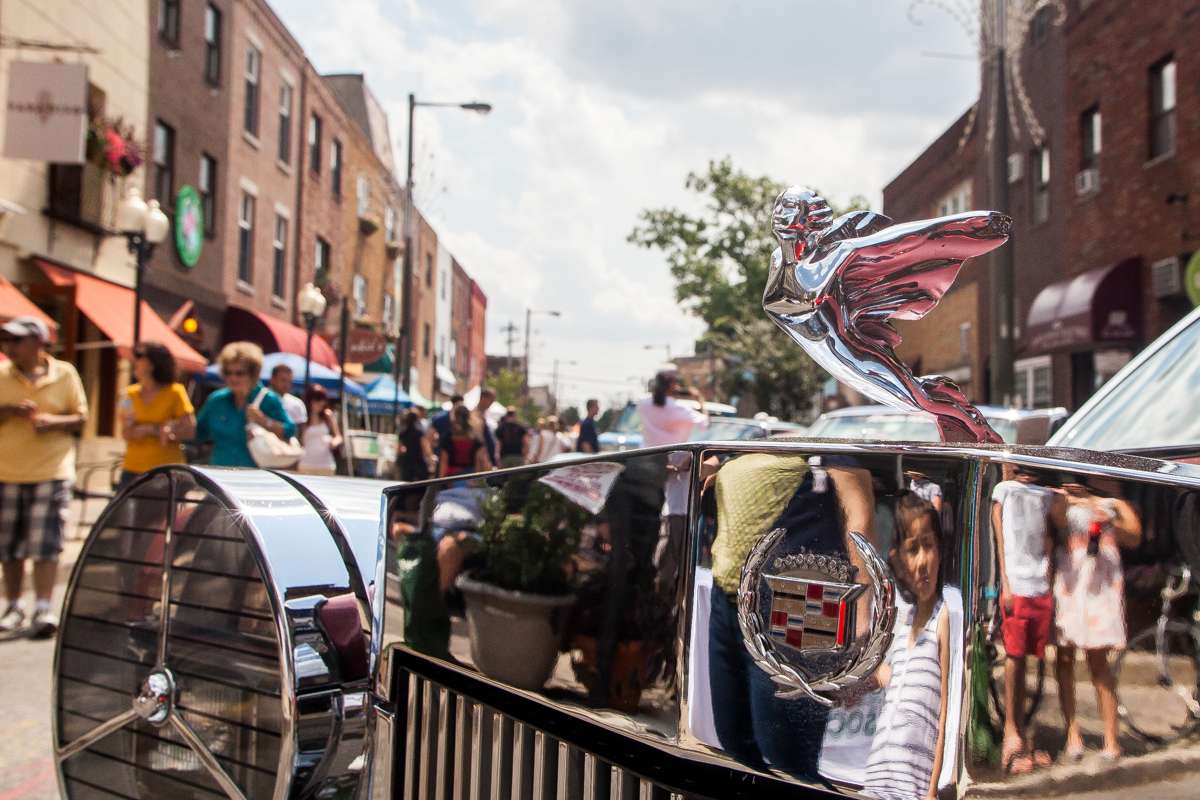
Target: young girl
906,753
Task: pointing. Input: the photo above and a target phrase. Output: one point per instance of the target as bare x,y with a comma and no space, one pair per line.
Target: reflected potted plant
516,596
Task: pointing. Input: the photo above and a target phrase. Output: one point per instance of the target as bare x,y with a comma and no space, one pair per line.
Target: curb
1088,775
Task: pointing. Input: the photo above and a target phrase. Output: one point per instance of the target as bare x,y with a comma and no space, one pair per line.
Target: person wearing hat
42,408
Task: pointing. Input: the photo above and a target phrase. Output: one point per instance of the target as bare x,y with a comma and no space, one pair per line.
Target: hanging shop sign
362,347
189,225
46,117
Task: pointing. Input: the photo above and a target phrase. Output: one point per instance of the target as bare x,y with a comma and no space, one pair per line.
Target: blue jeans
752,725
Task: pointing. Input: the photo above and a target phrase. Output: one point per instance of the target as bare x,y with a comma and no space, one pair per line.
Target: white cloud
601,109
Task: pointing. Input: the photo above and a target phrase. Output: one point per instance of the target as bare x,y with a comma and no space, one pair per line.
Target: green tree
719,259
509,386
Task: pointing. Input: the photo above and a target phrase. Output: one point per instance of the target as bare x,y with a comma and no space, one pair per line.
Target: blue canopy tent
383,393
321,374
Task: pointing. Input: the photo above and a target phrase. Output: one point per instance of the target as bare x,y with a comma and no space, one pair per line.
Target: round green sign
1191,278
189,225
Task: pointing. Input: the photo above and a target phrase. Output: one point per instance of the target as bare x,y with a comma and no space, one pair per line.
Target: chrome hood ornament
835,285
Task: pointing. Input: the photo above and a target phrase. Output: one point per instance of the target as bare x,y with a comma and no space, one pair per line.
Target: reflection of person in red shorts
1021,521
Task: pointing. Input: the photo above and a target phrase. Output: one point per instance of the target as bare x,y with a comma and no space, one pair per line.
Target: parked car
1015,426
1149,407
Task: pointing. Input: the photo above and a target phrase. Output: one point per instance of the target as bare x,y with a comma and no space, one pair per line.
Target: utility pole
510,332
528,316
1001,333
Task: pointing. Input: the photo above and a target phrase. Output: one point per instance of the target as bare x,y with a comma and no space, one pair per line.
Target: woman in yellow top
157,414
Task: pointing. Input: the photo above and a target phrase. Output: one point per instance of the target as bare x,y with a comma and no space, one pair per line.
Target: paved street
26,771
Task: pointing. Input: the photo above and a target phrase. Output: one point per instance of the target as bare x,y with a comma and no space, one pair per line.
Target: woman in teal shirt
223,417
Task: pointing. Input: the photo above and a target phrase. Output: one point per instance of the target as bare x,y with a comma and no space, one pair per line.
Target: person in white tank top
319,435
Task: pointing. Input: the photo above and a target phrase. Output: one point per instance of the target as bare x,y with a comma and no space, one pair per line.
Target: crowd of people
43,409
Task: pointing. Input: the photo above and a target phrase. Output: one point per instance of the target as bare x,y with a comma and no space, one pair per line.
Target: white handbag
267,449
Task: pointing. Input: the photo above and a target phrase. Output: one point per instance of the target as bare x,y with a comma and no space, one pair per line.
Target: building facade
191,70
424,307
58,221
477,355
1105,146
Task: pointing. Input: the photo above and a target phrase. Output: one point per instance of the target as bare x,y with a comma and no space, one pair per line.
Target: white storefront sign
46,115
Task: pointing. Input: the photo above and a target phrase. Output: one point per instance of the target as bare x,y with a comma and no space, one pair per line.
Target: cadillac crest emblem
799,617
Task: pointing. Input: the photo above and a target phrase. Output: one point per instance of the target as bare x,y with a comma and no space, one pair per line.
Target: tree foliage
509,386
719,259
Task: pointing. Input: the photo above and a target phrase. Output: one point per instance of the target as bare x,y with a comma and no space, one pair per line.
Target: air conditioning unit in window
1165,278
1087,181
1016,167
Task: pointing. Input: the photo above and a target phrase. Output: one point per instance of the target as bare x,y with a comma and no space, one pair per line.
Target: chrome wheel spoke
168,557
206,757
97,733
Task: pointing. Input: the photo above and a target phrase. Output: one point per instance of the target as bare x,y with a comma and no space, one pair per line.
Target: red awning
15,304
110,308
274,335
1099,307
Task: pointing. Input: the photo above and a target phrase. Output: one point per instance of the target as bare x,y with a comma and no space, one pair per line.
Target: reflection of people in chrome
1089,589
920,485
1021,522
906,753
756,493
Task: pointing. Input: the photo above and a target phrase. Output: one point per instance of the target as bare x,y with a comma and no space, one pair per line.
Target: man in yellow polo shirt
42,407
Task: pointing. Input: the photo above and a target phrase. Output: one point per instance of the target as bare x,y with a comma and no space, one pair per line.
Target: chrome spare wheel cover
156,700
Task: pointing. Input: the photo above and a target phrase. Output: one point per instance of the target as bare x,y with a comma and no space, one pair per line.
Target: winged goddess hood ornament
835,285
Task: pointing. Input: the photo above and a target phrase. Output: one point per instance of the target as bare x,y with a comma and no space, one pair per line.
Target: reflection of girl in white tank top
318,455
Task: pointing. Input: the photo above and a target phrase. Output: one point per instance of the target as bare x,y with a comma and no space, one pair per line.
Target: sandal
1018,762
1041,759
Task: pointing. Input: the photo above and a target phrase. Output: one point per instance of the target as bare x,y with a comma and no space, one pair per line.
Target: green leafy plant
529,533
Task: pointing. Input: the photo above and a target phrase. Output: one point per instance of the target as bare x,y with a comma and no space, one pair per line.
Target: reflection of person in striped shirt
906,753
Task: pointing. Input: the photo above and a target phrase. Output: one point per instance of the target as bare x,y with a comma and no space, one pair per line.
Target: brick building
350,219
460,323
942,181
262,182
1100,200
191,71
424,306
476,355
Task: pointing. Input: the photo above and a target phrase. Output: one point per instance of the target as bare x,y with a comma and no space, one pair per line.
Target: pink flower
115,148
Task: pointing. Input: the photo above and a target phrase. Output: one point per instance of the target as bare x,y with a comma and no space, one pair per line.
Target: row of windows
168,32
322,259
163,187
1160,139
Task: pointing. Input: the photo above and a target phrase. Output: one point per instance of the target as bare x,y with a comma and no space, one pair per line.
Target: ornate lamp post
143,225
312,305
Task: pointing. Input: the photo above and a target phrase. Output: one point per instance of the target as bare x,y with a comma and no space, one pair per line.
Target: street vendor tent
323,375
383,393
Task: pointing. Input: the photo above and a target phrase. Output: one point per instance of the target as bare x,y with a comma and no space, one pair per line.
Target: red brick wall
253,160
478,335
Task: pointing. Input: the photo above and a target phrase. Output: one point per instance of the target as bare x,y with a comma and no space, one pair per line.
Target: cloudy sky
602,108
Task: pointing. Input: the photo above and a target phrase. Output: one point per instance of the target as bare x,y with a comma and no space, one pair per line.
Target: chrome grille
458,749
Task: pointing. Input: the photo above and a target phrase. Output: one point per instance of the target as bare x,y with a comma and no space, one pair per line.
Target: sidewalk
1142,764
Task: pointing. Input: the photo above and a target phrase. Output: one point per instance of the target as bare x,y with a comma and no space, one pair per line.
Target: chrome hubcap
155,700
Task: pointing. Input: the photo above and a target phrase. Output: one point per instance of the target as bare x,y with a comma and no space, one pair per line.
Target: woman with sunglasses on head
224,415
156,415
319,435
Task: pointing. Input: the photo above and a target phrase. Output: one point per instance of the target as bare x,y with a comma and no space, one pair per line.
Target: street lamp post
406,338
554,383
529,312
312,305
144,225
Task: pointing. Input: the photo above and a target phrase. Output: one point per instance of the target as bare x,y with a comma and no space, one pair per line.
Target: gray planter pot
514,635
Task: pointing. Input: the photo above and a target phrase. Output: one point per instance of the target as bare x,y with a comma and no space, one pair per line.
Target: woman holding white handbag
244,411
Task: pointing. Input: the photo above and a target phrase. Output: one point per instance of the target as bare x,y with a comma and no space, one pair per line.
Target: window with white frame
360,295
246,238
285,122
363,193
956,201
322,260
253,71
1032,382
1039,185
1162,107
207,189
1089,138
279,257
389,224
212,45
389,311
